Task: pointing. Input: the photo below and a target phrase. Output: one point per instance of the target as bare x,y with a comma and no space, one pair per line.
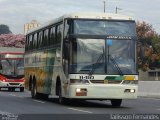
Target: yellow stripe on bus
129,77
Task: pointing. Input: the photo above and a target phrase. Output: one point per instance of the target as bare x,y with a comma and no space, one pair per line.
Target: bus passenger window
52,36
27,43
35,41
46,37
66,29
59,34
39,39
30,42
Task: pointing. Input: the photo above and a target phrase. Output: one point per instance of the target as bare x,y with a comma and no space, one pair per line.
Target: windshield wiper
95,64
115,63
9,62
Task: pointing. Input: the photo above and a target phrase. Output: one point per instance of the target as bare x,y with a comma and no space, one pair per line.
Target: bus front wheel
116,102
61,99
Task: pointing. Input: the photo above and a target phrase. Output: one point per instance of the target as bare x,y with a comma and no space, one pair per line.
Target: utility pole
117,9
104,6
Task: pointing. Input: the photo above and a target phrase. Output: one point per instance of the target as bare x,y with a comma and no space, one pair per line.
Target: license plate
17,89
4,88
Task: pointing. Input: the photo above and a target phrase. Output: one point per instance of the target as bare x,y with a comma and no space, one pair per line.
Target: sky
15,13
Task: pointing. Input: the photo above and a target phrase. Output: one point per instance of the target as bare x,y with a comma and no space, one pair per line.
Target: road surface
21,105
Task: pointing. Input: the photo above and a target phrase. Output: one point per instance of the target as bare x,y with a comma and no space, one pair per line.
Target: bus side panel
28,69
44,70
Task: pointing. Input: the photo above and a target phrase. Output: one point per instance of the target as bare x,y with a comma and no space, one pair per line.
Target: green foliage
4,29
156,43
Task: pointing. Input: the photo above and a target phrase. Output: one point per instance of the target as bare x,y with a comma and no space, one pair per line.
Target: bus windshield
95,54
12,65
101,27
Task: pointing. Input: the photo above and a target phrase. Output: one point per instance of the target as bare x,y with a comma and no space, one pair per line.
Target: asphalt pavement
21,106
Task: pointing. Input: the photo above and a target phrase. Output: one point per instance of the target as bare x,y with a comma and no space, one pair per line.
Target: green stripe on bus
114,78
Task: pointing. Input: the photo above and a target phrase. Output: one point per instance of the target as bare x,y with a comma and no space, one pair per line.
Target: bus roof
11,50
81,15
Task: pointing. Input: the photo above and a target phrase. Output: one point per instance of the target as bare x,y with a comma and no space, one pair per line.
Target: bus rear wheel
116,102
33,90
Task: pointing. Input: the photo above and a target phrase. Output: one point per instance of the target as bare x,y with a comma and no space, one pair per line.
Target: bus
12,69
84,56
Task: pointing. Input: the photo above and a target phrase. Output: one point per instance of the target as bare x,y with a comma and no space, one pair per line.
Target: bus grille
109,81
97,81
13,83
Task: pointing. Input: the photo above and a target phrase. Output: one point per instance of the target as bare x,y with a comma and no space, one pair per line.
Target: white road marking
80,110
16,96
39,101
4,112
152,98
12,95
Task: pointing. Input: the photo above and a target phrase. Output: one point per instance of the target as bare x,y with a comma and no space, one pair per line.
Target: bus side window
27,43
66,29
46,37
35,41
59,33
52,36
43,40
40,39
30,42
37,45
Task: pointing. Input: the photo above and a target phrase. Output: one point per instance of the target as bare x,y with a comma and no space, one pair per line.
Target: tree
148,46
145,32
11,40
4,29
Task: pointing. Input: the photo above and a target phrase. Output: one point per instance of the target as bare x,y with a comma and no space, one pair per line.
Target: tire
34,90
22,89
61,99
45,96
116,102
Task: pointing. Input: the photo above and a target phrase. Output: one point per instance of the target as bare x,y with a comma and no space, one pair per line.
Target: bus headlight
129,90
79,81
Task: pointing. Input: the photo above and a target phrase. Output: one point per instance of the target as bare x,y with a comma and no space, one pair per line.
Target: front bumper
104,92
11,84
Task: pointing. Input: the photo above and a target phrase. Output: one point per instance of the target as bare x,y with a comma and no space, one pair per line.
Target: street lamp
117,9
